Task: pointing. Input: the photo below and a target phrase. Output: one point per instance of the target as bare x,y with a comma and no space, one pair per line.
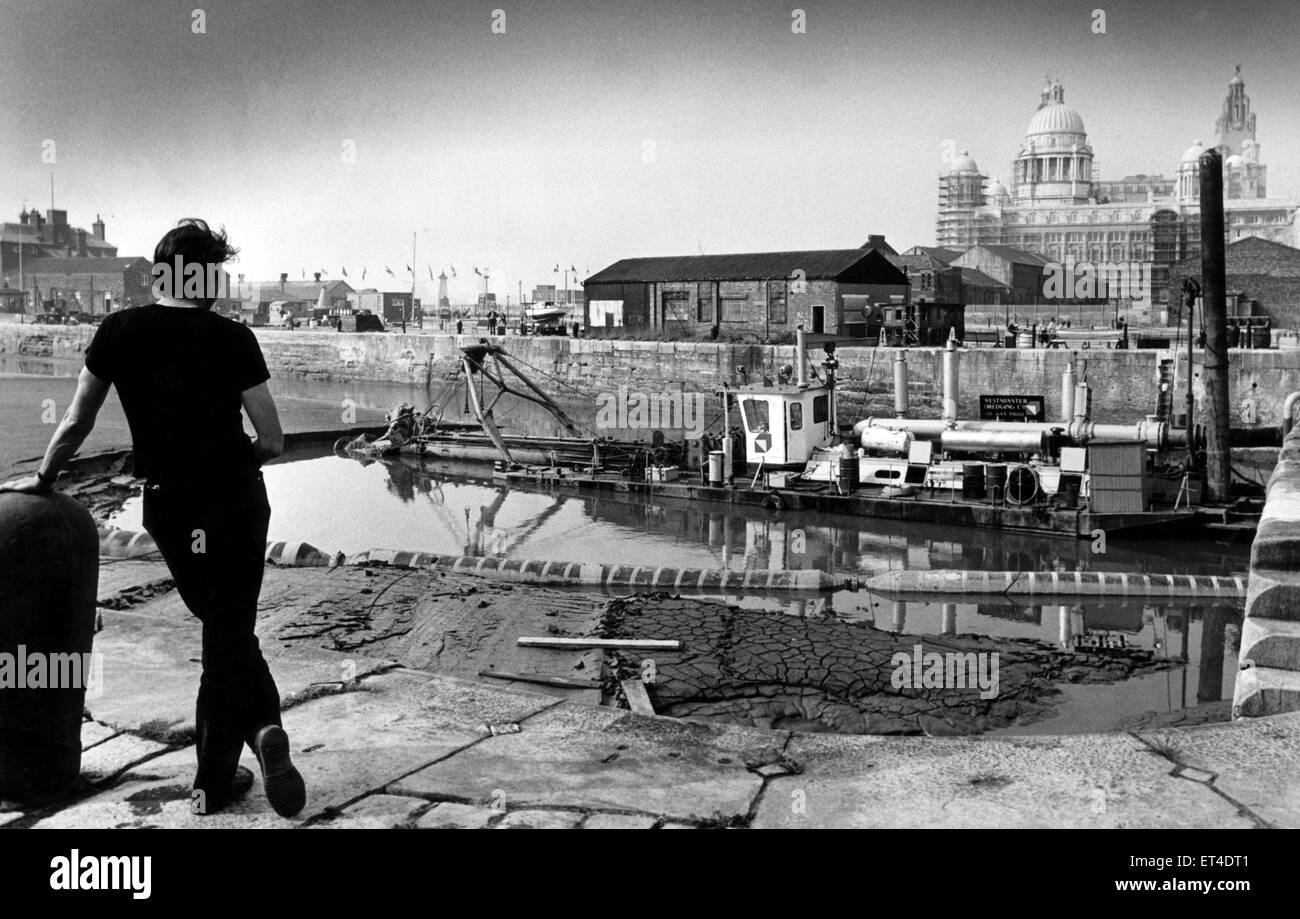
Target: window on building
796,416
820,412
676,304
776,307
704,304
732,309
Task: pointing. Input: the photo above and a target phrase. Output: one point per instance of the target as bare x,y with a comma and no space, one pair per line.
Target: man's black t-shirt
179,373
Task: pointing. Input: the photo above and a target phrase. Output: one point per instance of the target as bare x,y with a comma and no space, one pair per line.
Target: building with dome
1057,205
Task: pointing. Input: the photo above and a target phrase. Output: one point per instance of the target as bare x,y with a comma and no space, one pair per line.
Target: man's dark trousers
212,536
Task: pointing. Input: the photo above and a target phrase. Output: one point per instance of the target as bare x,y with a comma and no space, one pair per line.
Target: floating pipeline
585,574
1059,584
114,543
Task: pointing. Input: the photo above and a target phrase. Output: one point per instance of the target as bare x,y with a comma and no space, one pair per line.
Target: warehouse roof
851,266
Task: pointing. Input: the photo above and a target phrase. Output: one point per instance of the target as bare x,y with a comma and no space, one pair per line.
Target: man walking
182,373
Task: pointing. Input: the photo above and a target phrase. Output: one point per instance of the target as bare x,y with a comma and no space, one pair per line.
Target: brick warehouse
89,285
1258,270
763,296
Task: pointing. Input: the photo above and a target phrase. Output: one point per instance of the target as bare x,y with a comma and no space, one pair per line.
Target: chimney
316,275
283,277
81,242
98,228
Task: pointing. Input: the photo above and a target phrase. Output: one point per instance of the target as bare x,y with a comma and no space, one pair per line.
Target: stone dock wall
1268,681
1125,383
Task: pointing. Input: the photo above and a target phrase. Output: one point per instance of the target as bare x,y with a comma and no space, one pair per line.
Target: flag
304,274
410,270
324,273
389,270
574,270
345,272
453,271
430,272
363,272
477,272
557,268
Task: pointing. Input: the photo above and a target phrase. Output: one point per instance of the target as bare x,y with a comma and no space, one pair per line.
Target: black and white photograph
667,415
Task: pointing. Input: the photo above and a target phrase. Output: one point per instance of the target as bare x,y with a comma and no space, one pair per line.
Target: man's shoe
204,802
284,786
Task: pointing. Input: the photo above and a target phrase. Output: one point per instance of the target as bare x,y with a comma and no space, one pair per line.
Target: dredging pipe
133,544
589,574
1058,584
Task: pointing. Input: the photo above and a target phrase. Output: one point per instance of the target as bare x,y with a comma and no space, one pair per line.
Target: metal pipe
966,441
900,384
1067,392
800,357
1288,412
1156,434
950,394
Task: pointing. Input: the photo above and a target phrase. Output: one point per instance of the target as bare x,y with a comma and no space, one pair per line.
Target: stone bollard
49,578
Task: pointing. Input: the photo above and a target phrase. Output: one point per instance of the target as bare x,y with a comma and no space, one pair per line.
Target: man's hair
194,241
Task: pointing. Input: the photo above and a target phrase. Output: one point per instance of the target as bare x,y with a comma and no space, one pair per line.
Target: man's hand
28,485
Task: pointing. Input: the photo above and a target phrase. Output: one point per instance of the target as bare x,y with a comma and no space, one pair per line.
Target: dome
962,163
1194,152
1234,162
1056,118
997,189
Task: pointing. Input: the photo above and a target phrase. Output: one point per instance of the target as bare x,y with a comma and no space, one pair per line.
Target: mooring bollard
49,577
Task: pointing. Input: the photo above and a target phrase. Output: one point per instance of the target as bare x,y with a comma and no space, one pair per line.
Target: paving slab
449,815
92,733
151,668
1097,780
105,760
619,822
540,820
374,812
346,746
1253,761
117,575
599,758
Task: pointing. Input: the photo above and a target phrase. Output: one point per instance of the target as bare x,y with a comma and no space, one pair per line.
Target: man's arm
260,406
68,437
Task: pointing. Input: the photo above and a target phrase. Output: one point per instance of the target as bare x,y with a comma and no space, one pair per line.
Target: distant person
460,327
182,373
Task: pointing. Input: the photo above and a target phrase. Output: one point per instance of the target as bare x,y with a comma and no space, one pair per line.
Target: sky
328,135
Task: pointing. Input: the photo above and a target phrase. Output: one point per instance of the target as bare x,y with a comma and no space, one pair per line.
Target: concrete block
619,822
1273,594
1264,691
1271,643
452,816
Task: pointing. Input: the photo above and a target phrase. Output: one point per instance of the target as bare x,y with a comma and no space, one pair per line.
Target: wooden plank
541,679
638,644
637,697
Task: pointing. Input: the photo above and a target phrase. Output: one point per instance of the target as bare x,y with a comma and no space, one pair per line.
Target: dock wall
1125,383
1268,678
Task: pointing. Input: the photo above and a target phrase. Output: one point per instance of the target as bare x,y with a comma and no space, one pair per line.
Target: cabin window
820,404
756,417
796,416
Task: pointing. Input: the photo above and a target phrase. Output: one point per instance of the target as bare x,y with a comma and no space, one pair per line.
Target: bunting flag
453,271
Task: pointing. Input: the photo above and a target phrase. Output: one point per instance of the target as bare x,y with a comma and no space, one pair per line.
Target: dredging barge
1074,478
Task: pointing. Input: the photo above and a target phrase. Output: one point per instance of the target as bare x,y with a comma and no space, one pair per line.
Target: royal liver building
1058,206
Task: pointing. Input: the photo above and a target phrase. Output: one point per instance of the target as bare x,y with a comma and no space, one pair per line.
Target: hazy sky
590,131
